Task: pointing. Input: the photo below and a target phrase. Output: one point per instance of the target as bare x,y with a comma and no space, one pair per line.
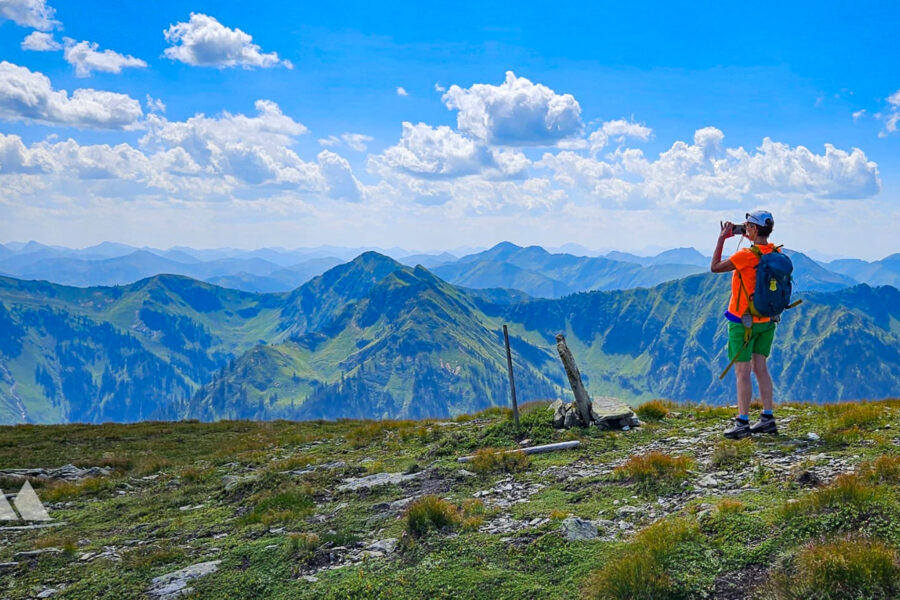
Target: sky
628,126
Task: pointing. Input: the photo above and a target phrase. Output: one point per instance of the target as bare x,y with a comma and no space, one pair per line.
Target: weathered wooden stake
582,400
512,382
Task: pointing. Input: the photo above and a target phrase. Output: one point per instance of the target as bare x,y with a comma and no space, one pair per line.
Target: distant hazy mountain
281,280
880,272
676,256
375,338
427,260
542,274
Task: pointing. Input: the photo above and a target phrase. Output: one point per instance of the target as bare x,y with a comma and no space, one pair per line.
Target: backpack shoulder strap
755,250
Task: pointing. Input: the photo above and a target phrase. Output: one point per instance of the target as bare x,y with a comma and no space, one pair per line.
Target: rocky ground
236,510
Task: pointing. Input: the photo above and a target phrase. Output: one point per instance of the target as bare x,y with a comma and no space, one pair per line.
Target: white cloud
205,42
707,173
87,57
331,140
155,104
439,88
515,113
40,42
618,130
440,152
29,96
356,141
339,179
858,115
28,13
892,117
401,91
252,150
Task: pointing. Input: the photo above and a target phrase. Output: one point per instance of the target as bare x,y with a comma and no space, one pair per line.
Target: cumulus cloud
402,91
440,152
707,172
356,141
618,130
40,42
339,180
515,113
252,150
87,57
29,96
205,42
28,13
892,117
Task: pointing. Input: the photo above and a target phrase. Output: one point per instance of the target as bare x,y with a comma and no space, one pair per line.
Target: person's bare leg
744,387
764,380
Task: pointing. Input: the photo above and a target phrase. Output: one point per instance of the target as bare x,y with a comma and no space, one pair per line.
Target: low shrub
643,568
732,453
654,410
491,460
846,569
655,471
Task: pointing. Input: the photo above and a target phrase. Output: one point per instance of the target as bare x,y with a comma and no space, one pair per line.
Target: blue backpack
774,283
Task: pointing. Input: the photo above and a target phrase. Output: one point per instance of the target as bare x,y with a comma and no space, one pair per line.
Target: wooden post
512,382
582,400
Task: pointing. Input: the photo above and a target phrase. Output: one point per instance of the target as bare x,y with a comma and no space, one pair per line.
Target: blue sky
498,158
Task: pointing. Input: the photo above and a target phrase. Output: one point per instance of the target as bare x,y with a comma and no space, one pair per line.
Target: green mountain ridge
376,339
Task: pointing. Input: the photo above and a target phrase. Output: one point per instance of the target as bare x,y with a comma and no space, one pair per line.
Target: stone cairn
605,412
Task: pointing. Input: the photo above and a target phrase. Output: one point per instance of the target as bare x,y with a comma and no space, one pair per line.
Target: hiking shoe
740,429
765,424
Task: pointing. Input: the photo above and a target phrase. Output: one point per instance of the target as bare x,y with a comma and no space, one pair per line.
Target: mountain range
531,269
375,338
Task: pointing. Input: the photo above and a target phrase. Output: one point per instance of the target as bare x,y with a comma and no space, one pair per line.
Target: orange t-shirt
745,262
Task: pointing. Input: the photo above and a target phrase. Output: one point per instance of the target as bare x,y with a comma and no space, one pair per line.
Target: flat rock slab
607,408
172,585
370,481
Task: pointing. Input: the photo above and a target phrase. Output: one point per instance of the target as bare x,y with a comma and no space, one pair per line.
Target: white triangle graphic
6,511
29,505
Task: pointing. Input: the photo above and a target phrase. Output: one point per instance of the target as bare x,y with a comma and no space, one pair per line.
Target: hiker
749,337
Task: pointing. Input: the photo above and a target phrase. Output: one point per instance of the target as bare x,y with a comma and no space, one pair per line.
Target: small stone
310,578
47,593
814,437
708,481
36,553
172,585
574,528
626,428
385,546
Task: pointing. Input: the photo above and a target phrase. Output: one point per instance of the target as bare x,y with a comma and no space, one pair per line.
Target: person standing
749,337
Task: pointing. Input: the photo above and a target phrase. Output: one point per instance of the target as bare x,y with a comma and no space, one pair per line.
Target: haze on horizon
393,126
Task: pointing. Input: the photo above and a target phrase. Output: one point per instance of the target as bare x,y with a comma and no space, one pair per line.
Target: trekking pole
734,360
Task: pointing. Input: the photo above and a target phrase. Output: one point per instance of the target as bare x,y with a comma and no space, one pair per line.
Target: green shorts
760,340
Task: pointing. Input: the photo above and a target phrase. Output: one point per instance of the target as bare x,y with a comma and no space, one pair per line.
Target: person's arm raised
718,265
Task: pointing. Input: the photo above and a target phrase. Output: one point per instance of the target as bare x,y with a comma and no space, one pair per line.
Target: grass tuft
654,410
643,569
846,569
655,471
431,513
732,453
491,460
